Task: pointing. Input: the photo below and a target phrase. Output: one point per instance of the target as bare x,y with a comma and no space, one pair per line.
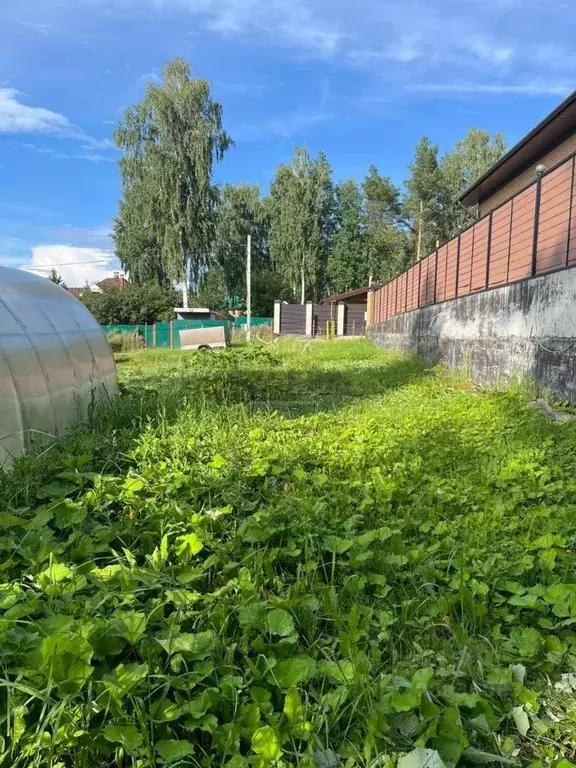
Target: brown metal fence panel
554,219
403,284
431,279
355,319
572,240
451,269
522,237
500,245
412,295
465,262
322,315
441,273
497,250
480,255
293,319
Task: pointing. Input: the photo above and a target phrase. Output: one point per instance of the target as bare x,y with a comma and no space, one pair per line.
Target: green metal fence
167,335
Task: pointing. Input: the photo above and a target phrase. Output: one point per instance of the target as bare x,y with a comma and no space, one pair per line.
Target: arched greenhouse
54,361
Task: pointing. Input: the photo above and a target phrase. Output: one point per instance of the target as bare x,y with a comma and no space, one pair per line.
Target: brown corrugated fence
531,234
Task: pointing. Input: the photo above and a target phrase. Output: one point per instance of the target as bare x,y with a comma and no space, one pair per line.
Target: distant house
196,313
118,280
357,296
550,144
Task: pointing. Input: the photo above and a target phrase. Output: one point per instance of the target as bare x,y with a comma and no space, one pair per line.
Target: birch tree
170,142
301,207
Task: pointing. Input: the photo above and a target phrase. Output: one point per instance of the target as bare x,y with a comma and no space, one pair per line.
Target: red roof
118,281
76,292
350,294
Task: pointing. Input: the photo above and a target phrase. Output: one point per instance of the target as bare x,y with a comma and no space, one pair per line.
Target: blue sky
361,80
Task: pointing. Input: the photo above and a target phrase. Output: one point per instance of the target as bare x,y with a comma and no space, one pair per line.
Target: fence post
340,318
435,275
171,332
489,248
154,336
570,213
308,331
370,296
536,225
419,281
277,317
457,268
510,240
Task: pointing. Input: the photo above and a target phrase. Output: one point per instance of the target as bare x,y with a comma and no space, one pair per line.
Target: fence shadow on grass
294,392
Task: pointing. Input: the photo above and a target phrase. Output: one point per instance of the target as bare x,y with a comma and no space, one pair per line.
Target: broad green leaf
126,735
341,671
421,758
422,678
326,758
266,744
293,709
171,750
478,757
125,677
337,545
404,701
292,671
522,720
280,622
130,625
54,574
133,484
8,521
188,546
451,739
197,646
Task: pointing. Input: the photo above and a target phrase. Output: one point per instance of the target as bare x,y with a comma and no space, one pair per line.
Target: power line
66,264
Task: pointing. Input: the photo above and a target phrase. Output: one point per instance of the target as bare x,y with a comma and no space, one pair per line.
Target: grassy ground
316,555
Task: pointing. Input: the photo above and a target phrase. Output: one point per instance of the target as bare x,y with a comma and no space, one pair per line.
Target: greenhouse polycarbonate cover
55,361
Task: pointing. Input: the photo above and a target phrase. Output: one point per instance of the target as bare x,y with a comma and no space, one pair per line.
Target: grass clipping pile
323,558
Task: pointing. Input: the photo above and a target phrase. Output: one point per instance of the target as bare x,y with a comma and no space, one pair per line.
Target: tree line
311,235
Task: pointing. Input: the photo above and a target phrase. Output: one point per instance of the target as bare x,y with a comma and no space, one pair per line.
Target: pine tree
347,267
423,202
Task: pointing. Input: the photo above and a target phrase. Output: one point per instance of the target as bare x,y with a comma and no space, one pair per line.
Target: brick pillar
309,318
340,318
277,317
370,308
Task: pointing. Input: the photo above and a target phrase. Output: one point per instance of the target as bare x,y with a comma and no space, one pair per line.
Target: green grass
315,555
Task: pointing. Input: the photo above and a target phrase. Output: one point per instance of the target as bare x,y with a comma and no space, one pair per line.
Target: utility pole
186,284
248,287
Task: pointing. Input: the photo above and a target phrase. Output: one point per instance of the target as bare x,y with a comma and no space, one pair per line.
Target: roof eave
474,194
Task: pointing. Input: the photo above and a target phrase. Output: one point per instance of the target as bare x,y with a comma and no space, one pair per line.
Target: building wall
550,159
531,234
525,329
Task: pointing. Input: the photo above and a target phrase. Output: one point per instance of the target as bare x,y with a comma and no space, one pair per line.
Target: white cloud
92,157
85,237
16,117
531,88
77,266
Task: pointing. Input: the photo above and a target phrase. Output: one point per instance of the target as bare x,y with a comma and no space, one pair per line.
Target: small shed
196,313
55,361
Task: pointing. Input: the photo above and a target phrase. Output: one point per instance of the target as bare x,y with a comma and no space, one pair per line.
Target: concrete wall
526,329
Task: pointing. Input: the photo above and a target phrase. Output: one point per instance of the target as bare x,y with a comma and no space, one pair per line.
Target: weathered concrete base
527,330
